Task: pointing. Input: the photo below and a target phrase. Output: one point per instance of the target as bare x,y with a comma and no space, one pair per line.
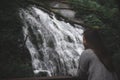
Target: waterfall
54,45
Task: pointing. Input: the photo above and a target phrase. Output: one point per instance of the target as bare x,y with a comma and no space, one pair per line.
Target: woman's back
91,68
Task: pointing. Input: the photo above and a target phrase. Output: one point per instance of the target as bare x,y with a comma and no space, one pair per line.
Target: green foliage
93,13
93,19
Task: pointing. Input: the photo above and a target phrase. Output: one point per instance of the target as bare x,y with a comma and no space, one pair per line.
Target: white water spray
55,46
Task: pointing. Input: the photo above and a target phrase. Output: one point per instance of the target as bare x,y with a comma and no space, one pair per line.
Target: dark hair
94,41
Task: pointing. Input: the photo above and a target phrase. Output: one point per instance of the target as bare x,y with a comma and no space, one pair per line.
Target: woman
95,62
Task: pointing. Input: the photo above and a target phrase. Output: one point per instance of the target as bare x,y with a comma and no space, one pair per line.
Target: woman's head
92,39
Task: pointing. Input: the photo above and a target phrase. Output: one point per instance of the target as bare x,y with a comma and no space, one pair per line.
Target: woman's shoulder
86,57
88,53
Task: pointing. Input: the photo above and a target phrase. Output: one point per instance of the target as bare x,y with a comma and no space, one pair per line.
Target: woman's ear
84,40
85,43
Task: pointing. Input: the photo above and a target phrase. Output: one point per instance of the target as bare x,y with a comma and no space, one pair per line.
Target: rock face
63,9
14,58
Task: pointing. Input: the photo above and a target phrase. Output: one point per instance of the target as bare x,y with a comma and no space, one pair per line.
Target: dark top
91,68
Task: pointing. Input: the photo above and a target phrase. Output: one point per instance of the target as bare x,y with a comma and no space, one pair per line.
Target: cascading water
55,46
